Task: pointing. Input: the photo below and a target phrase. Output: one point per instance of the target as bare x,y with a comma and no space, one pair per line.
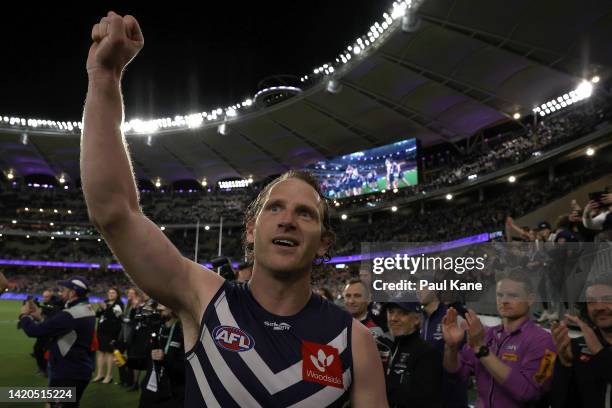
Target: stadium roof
466,67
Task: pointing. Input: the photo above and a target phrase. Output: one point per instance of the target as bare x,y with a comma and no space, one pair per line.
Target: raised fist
116,41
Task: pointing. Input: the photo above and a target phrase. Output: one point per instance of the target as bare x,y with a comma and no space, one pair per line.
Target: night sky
194,58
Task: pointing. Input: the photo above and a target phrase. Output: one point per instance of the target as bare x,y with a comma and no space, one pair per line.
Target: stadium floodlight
472,176
590,151
51,224
395,190
27,209
344,217
52,237
222,129
158,182
398,10
207,227
511,179
394,208
69,211
449,196
24,138
356,50
14,221
333,86
62,179
204,182
584,90
595,79
162,228
99,240
516,115
10,175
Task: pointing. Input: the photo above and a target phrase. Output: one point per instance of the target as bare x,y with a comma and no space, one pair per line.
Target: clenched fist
116,41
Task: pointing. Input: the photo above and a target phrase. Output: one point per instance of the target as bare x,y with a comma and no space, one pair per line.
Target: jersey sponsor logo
233,339
321,364
546,367
282,326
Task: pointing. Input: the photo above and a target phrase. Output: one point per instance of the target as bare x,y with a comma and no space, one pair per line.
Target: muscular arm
3,283
154,264
369,383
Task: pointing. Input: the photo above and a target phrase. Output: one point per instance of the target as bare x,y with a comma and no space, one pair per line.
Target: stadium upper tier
422,71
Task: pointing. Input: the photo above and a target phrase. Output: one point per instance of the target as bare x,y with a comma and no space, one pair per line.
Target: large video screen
382,168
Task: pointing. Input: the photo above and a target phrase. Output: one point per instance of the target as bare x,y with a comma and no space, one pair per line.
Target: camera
147,316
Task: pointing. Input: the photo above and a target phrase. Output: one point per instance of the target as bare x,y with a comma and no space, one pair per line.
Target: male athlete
269,343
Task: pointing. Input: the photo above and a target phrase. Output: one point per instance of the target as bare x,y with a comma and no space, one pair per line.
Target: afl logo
233,339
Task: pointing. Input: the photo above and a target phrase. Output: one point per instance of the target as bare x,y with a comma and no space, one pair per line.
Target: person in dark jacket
414,370
71,355
583,370
109,325
163,385
454,388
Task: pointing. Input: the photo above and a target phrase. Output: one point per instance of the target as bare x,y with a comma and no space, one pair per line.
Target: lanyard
169,338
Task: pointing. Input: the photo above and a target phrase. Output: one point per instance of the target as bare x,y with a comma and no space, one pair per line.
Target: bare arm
3,283
369,383
156,266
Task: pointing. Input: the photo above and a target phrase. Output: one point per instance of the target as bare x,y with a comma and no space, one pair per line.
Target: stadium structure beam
407,112
501,42
319,149
265,151
180,161
448,81
227,161
344,122
50,163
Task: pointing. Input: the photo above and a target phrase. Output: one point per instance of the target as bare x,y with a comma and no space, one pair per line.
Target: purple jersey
528,351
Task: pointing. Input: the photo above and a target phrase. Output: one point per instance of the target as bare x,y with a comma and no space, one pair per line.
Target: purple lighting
443,246
51,264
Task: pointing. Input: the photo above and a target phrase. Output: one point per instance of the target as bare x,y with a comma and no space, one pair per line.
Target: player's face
355,299
599,305
287,233
402,322
513,301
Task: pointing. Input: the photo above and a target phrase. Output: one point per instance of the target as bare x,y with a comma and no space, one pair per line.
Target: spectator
512,362
164,382
71,356
124,339
414,370
454,388
583,371
356,300
109,325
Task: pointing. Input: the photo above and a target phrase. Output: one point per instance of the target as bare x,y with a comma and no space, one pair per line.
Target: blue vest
248,357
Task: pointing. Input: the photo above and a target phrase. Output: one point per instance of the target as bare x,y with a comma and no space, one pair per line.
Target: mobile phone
596,196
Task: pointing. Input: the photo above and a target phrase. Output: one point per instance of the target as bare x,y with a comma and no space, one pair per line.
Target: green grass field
18,368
